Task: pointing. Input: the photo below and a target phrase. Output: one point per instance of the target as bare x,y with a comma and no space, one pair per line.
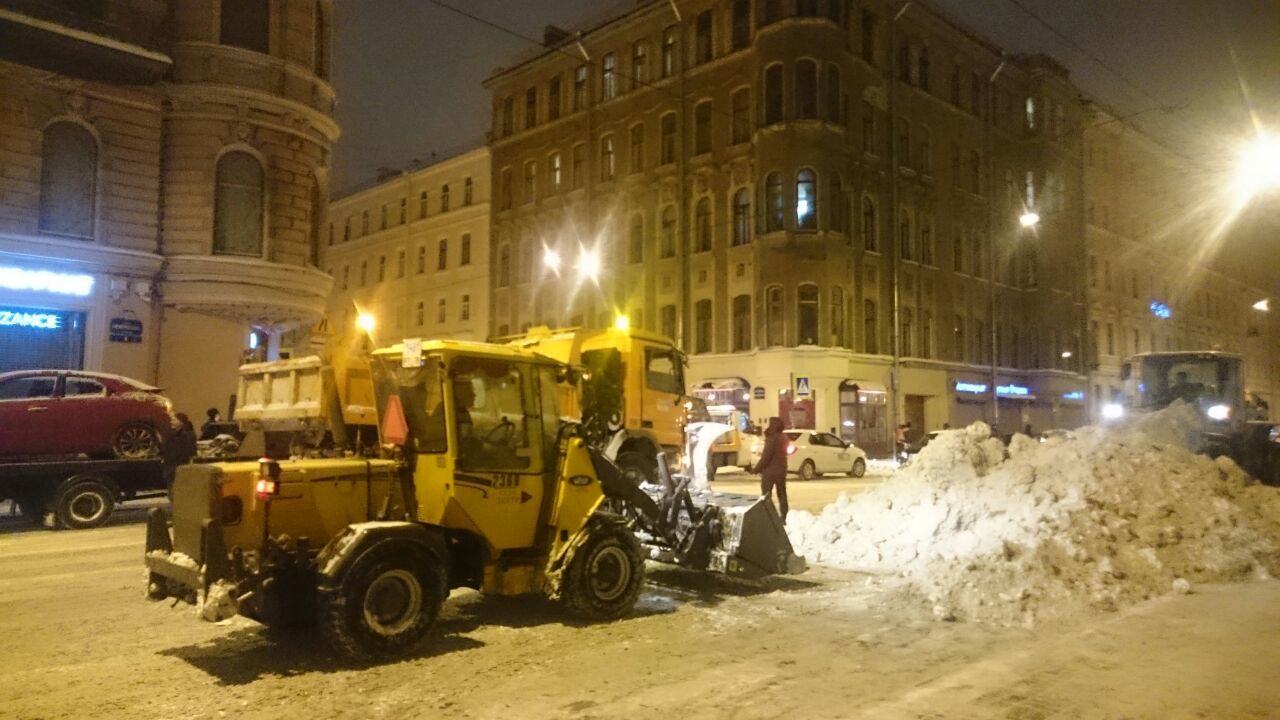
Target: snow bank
1102,519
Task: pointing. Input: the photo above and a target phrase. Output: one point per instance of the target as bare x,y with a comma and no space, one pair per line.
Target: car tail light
791,448
268,484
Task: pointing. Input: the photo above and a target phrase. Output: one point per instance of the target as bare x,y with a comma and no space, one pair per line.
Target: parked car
811,453
71,412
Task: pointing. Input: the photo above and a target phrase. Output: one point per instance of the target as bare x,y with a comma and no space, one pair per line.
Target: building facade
163,176
819,201
413,252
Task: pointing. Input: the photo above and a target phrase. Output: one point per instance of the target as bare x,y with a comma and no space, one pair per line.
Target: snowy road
78,640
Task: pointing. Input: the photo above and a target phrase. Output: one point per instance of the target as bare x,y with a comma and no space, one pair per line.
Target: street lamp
1263,305
1258,168
366,322
588,265
551,260
1029,219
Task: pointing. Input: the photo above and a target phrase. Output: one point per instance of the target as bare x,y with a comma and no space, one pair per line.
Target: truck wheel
638,468
859,467
84,504
385,605
136,441
606,573
808,471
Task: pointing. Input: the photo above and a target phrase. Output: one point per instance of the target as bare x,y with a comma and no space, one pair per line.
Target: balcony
81,43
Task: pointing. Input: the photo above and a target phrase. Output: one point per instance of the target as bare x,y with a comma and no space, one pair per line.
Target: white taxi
811,453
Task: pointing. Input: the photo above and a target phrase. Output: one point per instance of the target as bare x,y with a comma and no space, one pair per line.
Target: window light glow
12,278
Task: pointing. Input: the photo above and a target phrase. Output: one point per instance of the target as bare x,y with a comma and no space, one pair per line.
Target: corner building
163,173
817,199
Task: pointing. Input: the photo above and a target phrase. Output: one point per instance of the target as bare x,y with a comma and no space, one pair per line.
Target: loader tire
84,503
385,605
604,577
638,468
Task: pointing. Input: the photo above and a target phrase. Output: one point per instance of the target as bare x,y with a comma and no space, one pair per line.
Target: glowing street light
366,322
1263,305
1029,219
1066,354
622,323
588,265
551,260
1258,168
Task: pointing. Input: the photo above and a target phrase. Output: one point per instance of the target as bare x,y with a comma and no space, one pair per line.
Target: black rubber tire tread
812,473
576,591
340,612
859,468
157,441
634,460
68,494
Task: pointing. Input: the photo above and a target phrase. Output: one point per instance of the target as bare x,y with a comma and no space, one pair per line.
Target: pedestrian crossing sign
802,387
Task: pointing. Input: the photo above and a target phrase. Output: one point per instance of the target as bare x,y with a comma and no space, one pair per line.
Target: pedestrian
179,448
900,438
209,430
946,426
773,465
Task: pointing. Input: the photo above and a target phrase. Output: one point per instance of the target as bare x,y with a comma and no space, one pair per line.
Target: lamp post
1028,220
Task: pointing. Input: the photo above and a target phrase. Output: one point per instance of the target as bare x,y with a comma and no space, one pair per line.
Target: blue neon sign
34,320
1161,310
1073,395
1013,390
973,388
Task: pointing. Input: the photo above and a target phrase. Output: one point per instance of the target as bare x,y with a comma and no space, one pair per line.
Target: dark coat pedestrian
773,465
209,430
179,448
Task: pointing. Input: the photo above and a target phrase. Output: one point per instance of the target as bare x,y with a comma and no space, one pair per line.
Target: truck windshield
1195,380
421,392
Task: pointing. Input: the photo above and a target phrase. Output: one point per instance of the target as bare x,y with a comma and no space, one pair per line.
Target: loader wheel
859,467
84,504
808,471
606,573
637,468
385,605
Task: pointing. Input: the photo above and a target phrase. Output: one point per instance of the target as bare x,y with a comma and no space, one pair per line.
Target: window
444,198
1093,271
807,8
806,90
668,138
741,323
468,192
466,250
505,191
958,350
346,230
669,51
441,310
364,223
775,204
742,217
773,316
382,217
69,178
839,205
246,24
508,116
382,268
975,172
925,160
868,128
530,176
870,328
667,321
346,276
975,94
579,169
320,40
922,68
905,246
702,326
773,94
955,85
926,242
465,313
609,77
580,88
607,166
422,204
806,200
702,225
702,128
404,210
869,235
741,24
807,314
703,46
772,12
238,205
837,317
957,251
741,103
869,22
400,264
530,108
422,259
639,65
553,172
926,335
553,99
364,273
833,108
1030,109
904,143
637,148
504,266
635,240
668,248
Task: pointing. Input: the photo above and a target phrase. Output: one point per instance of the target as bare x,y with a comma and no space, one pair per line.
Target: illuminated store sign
1073,395
1013,390
972,388
12,278
1002,390
1161,310
37,320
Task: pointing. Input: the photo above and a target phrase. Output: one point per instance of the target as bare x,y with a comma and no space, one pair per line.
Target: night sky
408,73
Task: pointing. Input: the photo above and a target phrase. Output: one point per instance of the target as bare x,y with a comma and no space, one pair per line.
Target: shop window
68,180
807,314
237,212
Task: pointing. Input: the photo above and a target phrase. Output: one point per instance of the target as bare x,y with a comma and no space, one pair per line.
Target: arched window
742,323
922,69
740,132
668,148
773,316
68,180
806,200
807,314
635,240
839,205
703,46
806,90
837,317
905,246
246,24
741,24
668,232
870,328
835,106
774,203
702,326
504,266
869,225
607,162
773,94
702,225
742,217
237,205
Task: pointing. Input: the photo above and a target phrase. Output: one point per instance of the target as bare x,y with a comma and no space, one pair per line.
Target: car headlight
1219,412
1113,411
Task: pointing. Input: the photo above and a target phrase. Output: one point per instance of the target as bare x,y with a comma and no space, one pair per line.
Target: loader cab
1212,382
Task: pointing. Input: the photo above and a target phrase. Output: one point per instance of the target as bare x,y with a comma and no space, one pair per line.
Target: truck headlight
1219,412
1112,411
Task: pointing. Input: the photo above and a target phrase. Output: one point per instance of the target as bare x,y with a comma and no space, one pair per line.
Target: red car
71,412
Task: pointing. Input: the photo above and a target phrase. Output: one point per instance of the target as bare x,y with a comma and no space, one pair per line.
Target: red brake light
268,478
791,448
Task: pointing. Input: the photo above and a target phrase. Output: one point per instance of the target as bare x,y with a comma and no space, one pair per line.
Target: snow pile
1098,520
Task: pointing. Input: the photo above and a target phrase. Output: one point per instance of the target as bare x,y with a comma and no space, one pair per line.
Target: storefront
38,337
864,409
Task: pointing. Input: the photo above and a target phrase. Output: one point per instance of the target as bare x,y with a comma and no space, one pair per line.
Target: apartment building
163,173
412,250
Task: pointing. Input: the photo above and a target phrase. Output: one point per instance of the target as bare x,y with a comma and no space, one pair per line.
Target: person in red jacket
773,465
